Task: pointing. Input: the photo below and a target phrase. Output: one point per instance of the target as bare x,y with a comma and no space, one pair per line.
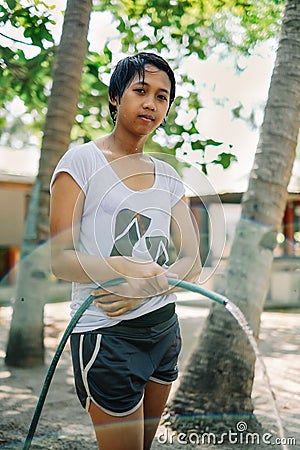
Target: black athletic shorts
112,365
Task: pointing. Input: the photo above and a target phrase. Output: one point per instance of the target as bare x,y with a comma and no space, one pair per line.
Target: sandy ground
64,425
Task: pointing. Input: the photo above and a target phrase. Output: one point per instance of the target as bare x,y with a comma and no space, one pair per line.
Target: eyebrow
144,83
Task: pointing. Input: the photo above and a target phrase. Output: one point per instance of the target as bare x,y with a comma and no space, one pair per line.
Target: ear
113,101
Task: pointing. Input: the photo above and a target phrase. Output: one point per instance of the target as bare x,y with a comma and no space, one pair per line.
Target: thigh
155,399
118,433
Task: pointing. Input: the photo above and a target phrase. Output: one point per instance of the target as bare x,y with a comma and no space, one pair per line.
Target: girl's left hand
121,299
114,304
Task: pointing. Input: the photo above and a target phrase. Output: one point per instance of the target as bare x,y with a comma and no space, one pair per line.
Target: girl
113,212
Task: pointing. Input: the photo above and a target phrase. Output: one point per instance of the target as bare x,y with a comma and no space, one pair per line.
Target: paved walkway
65,424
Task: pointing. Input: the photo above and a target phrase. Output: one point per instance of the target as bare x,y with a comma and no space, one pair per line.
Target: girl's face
144,103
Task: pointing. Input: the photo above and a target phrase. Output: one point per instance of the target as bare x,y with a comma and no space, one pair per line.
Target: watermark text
238,436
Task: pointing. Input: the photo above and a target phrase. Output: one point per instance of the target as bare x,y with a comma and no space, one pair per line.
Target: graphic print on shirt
130,228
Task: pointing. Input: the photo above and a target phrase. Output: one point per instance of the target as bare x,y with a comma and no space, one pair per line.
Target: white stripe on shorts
84,374
157,380
85,370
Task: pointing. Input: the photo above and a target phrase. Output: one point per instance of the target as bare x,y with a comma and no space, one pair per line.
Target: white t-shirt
119,221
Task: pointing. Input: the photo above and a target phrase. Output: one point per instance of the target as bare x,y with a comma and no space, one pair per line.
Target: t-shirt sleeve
74,163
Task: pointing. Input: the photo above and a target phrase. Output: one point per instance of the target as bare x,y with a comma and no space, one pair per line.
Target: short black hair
126,70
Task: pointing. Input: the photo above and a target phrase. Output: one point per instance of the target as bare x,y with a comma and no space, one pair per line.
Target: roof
198,184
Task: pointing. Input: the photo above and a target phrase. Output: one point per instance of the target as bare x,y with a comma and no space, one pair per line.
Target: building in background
18,169
216,215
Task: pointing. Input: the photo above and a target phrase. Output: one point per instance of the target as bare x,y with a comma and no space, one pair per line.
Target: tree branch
16,40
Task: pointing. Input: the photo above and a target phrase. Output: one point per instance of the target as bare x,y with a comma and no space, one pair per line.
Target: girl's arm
66,207
185,237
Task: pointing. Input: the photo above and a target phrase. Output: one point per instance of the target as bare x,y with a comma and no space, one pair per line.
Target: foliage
176,29
196,24
29,78
23,76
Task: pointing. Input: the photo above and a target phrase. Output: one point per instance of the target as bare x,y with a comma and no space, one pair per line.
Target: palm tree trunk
26,338
219,374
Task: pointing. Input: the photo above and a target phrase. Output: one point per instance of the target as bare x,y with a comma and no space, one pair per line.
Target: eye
140,90
163,97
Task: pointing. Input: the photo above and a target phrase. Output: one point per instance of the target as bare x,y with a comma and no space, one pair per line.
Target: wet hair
128,68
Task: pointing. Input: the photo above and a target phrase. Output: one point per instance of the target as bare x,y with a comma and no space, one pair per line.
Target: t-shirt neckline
100,152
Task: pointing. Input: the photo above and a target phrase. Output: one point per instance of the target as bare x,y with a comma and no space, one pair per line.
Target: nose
149,103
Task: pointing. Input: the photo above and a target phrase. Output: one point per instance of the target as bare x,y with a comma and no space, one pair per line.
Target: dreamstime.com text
238,436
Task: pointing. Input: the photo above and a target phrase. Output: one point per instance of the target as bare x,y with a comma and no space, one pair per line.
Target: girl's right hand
144,278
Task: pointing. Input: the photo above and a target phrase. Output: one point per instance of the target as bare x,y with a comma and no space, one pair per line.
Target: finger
111,298
119,312
172,275
114,291
109,306
147,287
160,283
100,292
107,295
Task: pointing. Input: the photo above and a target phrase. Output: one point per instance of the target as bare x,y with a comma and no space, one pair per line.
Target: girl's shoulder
82,151
79,161
86,156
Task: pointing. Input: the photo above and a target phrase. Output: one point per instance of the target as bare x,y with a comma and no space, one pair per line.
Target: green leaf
11,3
93,69
203,167
214,143
193,130
224,159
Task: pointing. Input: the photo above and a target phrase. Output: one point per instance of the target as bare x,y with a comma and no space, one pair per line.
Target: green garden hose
172,281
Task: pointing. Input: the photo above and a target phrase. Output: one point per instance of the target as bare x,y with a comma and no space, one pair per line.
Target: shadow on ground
64,425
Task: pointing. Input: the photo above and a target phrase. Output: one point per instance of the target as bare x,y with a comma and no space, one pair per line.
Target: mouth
147,117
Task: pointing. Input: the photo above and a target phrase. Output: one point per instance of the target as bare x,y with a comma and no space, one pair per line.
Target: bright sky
221,90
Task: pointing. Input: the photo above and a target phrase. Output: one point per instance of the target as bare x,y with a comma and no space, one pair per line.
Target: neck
128,145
